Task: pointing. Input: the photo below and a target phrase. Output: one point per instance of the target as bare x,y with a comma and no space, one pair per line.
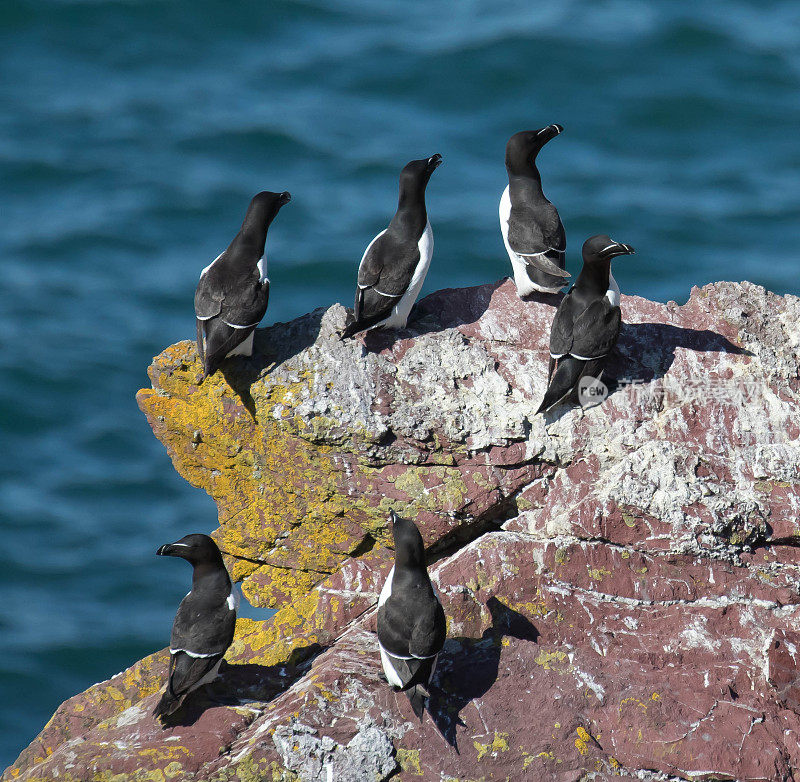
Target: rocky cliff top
621,583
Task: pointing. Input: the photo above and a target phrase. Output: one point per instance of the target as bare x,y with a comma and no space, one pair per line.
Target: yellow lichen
409,761
173,769
584,739
276,487
499,743
548,660
482,749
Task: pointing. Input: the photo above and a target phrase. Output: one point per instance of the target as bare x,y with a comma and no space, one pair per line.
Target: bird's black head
522,148
249,243
409,550
418,172
265,205
602,248
196,548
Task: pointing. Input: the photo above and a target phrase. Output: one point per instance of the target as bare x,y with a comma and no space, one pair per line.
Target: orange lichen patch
315,615
584,740
266,584
285,522
276,642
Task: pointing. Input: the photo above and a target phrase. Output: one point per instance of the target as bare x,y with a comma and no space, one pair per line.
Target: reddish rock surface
621,583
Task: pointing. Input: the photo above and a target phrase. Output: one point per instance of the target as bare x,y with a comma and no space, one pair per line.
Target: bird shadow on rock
450,308
272,346
468,667
240,683
646,351
445,309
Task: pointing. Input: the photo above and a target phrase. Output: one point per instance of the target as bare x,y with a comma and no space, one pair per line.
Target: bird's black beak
618,248
285,198
549,133
167,550
393,517
434,162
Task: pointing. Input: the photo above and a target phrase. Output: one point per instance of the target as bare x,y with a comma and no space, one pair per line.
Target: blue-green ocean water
132,135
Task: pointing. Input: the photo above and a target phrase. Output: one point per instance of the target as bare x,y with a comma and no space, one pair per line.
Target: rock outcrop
621,582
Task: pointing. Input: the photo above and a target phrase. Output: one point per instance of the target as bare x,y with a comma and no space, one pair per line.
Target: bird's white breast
386,592
612,294
505,211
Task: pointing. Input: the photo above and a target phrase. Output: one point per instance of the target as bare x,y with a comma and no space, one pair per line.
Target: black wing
412,627
217,339
533,230
596,331
563,322
208,296
564,377
186,671
428,635
384,275
590,333
201,628
238,299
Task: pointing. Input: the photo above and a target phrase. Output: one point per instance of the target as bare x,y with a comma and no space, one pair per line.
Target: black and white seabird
531,228
587,322
411,623
232,295
396,261
204,625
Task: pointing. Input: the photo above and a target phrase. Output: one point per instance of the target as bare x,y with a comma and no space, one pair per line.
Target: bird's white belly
243,348
612,294
388,669
402,309
386,592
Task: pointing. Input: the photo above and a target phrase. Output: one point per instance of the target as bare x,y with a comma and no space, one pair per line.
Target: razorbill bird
532,230
232,295
411,623
204,625
396,261
587,322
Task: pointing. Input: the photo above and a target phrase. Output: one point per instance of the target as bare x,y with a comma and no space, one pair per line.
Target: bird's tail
167,706
352,327
563,382
417,695
201,348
